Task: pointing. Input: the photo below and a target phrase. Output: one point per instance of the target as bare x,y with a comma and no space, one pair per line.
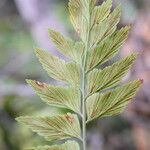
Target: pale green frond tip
17,119
50,30
37,51
128,27
118,10
28,81
108,2
31,82
108,49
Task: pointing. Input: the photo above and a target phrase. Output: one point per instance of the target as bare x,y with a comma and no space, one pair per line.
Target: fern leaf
58,69
109,77
100,13
58,96
108,49
89,91
67,47
54,128
105,29
77,9
111,103
70,145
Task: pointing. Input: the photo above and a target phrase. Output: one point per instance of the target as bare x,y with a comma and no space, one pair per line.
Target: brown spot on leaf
70,118
41,85
93,114
78,31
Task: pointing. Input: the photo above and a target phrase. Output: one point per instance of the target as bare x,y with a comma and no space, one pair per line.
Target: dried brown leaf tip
142,81
41,85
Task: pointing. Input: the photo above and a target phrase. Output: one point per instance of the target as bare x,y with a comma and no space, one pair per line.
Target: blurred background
23,26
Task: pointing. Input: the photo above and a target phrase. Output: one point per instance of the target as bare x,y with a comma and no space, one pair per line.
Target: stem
84,118
83,102
84,84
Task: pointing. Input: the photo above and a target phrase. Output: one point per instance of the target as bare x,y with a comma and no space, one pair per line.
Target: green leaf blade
100,32
58,69
100,13
69,98
54,128
78,12
99,80
111,103
107,49
67,46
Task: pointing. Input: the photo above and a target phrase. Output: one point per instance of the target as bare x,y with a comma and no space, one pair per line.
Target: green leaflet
107,49
101,26
100,13
54,128
58,96
109,77
58,69
100,32
67,47
70,145
111,103
78,12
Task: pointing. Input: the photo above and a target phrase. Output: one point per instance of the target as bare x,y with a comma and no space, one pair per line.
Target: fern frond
108,49
109,77
69,98
54,128
67,46
59,69
78,12
100,13
101,31
88,91
111,103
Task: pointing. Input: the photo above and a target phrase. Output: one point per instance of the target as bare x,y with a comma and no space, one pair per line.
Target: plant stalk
84,83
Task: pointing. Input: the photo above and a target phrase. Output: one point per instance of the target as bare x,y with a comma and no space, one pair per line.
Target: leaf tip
141,81
40,84
28,81
35,84
19,119
51,32
109,2
37,50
